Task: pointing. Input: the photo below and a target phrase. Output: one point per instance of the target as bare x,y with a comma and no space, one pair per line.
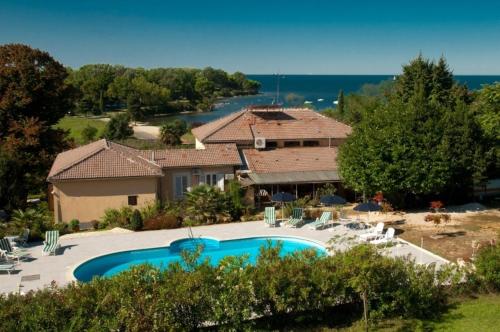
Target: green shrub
117,218
206,205
38,220
185,296
74,225
136,221
488,266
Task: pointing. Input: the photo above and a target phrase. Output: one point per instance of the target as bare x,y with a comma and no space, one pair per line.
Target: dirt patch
460,238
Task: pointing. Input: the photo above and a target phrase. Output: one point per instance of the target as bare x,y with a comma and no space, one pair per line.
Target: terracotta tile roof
286,123
105,159
300,159
101,159
212,155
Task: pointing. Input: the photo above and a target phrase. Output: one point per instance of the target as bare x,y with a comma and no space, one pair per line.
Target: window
271,144
132,200
311,143
180,185
289,144
211,179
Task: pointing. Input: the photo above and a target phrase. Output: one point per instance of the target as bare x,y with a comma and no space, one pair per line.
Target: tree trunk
365,310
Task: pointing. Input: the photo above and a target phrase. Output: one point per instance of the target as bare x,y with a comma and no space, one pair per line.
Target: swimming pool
214,250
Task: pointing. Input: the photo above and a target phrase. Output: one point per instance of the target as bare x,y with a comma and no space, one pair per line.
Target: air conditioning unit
260,143
196,171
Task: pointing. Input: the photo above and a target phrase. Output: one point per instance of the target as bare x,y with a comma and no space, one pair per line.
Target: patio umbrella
367,207
282,197
332,200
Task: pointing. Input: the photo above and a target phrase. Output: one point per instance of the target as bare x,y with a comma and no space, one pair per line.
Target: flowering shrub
436,206
185,296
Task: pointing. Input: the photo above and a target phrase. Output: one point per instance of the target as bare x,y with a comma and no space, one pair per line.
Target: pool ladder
190,233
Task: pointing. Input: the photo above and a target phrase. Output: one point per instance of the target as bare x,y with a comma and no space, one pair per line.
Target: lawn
481,314
75,125
466,315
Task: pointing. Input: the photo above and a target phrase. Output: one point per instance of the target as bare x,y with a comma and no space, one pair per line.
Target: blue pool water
214,250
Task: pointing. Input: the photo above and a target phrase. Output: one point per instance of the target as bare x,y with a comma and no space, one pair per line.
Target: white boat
320,99
335,102
308,102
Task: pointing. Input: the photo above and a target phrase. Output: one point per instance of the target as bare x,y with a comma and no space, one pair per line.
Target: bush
117,218
74,225
162,221
206,205
95,224
488,266
89,133
185,296
136,221
118,127
38,220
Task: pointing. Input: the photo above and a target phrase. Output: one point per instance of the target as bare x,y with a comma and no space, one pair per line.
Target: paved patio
75,250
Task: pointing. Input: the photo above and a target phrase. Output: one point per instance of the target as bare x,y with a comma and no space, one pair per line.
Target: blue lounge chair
297,218
51,243
270,216
321,221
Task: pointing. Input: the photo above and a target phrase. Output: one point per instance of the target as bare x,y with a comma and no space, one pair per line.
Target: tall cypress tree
340,104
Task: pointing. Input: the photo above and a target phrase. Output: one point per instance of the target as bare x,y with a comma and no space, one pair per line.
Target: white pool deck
76,250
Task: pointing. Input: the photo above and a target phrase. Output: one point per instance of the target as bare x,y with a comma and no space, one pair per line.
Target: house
267,149
282,149
92,178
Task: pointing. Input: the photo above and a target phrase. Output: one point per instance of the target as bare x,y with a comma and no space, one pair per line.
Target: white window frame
187,177
214,179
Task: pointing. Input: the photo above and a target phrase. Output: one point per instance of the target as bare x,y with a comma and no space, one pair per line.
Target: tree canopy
420,140
171,132
33,97
102,87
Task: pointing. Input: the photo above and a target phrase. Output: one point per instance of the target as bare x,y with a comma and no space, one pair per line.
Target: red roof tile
298,159
286,123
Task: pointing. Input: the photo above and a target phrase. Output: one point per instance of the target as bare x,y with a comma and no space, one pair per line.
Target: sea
319,91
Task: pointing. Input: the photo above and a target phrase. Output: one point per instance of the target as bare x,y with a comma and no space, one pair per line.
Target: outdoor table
12,238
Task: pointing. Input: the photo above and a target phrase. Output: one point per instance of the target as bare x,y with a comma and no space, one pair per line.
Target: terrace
80,247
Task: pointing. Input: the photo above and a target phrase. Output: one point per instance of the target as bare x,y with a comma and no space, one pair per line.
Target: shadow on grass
337,317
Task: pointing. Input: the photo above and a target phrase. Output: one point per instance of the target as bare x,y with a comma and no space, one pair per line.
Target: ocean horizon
319,91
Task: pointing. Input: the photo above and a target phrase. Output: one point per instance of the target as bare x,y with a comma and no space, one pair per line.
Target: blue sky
318,37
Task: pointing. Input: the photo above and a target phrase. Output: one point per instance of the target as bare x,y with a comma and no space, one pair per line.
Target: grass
75,125
481,314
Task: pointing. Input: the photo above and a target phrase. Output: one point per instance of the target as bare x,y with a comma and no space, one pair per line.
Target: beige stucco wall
87,200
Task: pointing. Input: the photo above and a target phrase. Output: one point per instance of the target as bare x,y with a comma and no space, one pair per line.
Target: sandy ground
141,130
458,239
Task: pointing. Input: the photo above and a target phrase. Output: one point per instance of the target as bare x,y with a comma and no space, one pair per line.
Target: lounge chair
5,264
297,218
386,238
373,235
12,253
23,239
270,216
51,243
321,221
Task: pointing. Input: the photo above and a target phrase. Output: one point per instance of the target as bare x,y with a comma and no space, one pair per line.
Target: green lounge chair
12,253
321,221
297,218
51,243
270,216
